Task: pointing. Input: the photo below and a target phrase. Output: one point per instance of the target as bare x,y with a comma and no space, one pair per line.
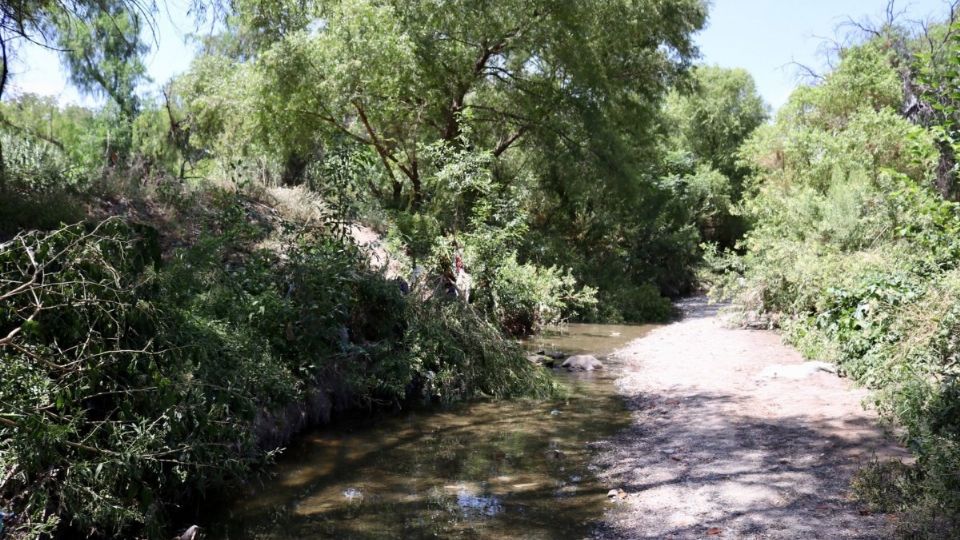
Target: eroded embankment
733,435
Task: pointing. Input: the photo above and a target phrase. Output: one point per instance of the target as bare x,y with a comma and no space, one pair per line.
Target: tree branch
505,144
385,156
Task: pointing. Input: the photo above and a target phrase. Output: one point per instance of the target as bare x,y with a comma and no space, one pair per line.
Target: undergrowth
855,254
129,384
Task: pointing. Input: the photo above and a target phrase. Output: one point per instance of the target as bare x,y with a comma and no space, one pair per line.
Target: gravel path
734,436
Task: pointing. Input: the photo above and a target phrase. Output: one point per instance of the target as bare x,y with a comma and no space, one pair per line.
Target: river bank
482,469
708,431
734,435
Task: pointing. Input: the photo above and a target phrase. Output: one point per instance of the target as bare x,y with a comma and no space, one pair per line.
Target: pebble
616,494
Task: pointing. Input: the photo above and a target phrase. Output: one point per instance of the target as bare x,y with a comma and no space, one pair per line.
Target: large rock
192,533
582,362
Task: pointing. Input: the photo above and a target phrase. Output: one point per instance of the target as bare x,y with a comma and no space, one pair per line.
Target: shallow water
515,469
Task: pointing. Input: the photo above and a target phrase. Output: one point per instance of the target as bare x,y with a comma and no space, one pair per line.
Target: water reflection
483,470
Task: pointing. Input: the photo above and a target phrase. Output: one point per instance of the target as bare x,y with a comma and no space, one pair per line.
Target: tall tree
712,120
394,75
102,49
99,41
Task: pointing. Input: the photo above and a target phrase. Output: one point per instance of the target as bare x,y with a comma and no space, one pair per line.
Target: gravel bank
734,436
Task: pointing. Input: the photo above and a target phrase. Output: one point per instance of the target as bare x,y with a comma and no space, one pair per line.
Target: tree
397,75
102,49
712,120
706,125
100,42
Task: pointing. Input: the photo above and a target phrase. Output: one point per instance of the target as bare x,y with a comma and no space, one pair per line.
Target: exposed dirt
733,436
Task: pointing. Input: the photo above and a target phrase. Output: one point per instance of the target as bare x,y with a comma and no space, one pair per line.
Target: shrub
856,256
128,385
456,354
104,416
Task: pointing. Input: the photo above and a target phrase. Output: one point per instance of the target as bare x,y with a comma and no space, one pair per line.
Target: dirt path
733,436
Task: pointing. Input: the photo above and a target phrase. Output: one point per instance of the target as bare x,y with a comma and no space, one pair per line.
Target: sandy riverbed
732,437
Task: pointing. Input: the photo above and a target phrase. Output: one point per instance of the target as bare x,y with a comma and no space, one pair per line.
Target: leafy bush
103,416
38,185
855,255
628,302
523,298
128,385
475,218
456,353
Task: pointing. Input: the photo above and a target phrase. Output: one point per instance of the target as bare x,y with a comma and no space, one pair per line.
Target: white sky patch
38,70
762,36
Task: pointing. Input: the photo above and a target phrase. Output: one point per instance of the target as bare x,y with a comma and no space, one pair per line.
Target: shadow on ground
694,465
717,445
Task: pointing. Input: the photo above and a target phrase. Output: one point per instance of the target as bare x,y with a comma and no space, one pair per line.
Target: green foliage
102,47
128,384
523,139
706,125
464,103
78,134
399,75
627,302
713,119
523,298
855,254
458,354
40,186
706,194
473,216
865,79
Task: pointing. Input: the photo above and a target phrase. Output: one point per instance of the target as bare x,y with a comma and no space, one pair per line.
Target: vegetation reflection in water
480,470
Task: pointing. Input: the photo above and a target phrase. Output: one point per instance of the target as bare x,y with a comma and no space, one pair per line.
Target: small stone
353,494
617,494
541,360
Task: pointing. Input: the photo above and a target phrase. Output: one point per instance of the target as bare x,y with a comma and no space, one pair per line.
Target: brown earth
734,436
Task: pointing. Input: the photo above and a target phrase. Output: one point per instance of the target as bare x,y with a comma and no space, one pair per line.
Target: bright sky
763,36
39,71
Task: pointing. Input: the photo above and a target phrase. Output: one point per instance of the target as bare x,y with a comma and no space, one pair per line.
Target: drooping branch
385,156
506,143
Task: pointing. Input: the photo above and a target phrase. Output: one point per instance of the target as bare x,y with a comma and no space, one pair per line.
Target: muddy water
484,470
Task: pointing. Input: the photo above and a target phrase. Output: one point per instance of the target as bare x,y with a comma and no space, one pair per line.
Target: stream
514,469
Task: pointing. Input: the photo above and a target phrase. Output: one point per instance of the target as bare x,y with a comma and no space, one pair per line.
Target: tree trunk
294,170
946,172
3,171
397,193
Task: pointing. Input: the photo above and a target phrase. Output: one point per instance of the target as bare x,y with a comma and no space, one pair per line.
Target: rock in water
582,362
192,533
